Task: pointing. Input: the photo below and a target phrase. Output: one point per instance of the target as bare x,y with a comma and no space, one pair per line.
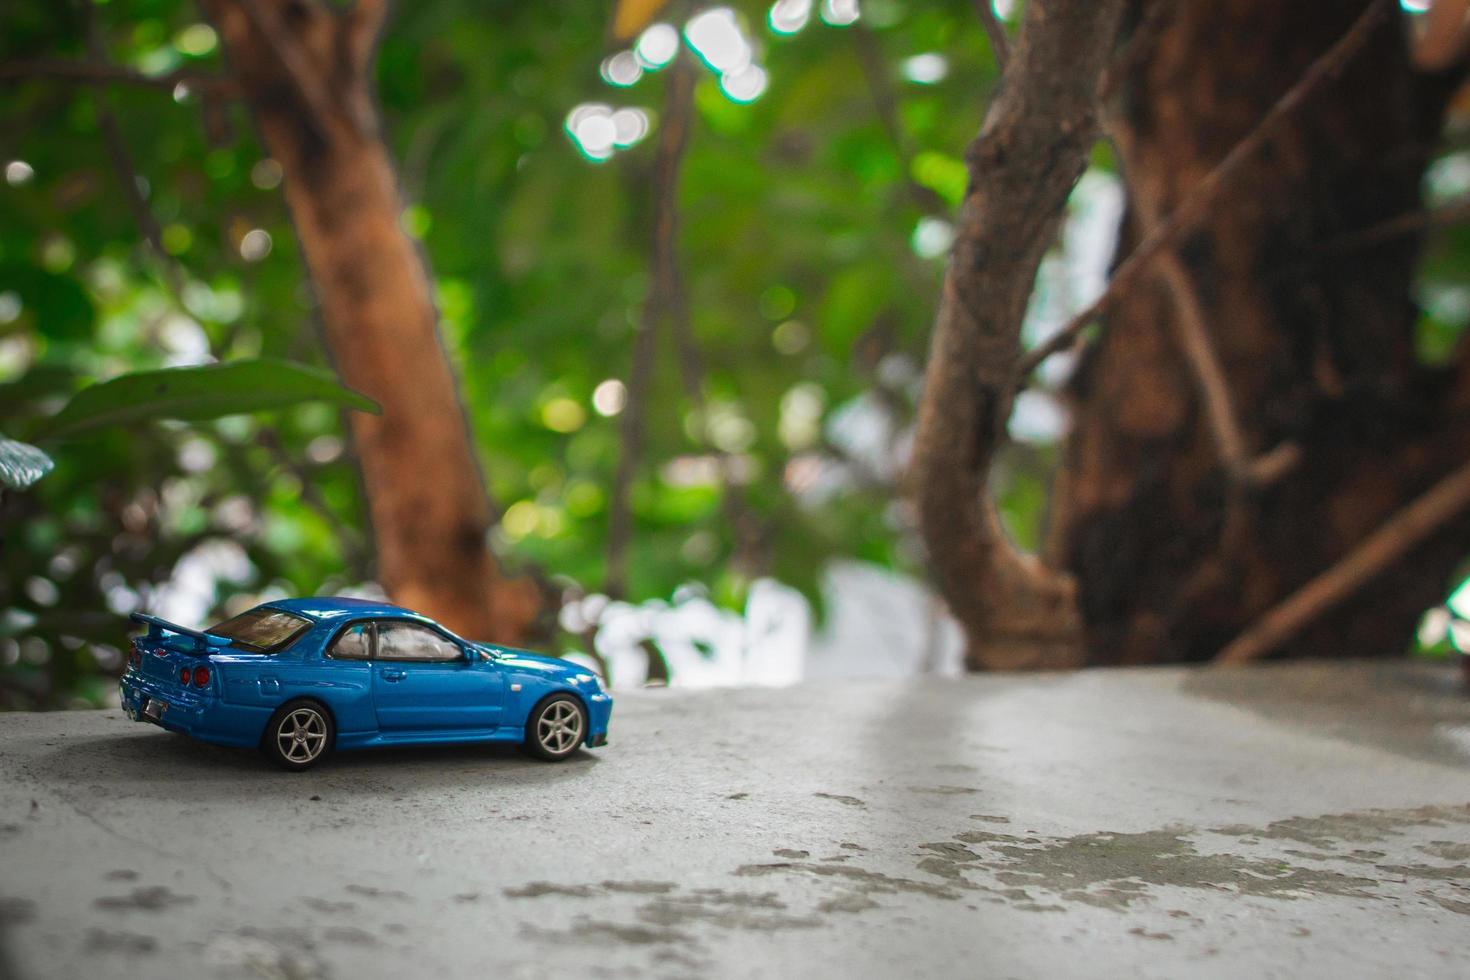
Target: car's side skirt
363,740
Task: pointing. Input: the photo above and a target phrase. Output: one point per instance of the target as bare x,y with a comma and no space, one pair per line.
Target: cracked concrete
1293,821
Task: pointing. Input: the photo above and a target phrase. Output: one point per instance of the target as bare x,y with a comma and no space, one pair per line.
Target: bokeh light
255,245
840,13
656,46
789,16
18,172
744,85
609,397
716,37
621,69
926,69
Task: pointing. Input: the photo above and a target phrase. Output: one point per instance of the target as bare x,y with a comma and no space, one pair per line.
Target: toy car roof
336,607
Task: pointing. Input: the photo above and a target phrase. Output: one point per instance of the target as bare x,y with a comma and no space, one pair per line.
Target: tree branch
363,24
1441,39
1025,162
1000,45
122,163
1139,46
1168,232
1456,212
292,54
1393,540
668,159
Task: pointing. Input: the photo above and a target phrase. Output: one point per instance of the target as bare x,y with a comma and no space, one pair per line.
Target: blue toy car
301,677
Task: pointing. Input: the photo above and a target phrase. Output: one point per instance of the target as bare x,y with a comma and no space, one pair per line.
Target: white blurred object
882,624
790,16
879,624
1073,276
190,591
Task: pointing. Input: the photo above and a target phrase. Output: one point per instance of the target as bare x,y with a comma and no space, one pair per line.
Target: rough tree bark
1029,154
305,68
1174,551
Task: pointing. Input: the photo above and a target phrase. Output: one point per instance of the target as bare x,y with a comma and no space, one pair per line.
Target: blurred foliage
812,233
798,211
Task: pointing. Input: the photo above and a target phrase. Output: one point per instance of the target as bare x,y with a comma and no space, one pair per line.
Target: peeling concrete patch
350,935
254,952
944,790
851,902
540,889
787,852
666,919
1449,904
328,907
951,850
150,898
1116,870
987,837
587,930
640,887
989,818
1448,850
125,943
757,911
1458,872
1325,833
867,882
371,891
844,800
15,911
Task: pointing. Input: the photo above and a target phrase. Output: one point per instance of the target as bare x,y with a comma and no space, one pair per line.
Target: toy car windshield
261,629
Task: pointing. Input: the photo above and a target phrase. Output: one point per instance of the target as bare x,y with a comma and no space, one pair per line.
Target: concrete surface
1304,821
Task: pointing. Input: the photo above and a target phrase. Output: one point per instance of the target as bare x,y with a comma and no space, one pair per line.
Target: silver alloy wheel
559,729
302,735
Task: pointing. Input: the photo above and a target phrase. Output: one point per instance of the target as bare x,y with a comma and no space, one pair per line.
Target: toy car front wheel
298,736
556,728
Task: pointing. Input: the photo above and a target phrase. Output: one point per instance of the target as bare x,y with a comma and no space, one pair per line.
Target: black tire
299,735
552,732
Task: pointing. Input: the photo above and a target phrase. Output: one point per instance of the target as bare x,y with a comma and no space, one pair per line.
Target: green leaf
198,393
21,464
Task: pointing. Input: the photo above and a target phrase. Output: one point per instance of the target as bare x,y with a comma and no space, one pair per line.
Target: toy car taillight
183,675
201,675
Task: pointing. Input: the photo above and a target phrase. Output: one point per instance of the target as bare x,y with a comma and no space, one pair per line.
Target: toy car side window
410,641
353,643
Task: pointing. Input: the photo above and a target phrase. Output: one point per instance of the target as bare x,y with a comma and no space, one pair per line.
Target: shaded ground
1296,821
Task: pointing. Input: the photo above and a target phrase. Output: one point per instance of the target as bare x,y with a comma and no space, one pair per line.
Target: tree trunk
1174,551
1024,163
305,70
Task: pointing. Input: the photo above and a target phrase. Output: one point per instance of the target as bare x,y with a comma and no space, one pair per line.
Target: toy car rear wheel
299,735
557,728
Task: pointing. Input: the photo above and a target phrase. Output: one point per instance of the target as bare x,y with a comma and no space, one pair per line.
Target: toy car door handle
393,674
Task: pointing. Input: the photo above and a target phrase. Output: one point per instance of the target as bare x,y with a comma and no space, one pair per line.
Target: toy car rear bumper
188,713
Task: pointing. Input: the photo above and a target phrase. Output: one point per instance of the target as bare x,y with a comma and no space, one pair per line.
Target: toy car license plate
154,709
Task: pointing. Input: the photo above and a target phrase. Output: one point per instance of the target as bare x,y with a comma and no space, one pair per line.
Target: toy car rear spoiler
157,627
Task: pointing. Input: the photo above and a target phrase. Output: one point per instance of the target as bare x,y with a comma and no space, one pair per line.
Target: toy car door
424,681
